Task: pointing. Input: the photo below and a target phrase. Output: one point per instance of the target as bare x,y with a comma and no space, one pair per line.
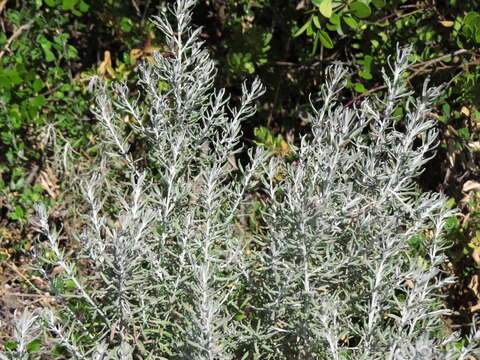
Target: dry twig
14,36
3,3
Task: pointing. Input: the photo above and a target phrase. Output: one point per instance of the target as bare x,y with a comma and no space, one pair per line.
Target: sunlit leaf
326,8
447,23
303,28
359,87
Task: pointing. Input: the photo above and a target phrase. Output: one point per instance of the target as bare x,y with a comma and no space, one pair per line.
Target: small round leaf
379,3
360,10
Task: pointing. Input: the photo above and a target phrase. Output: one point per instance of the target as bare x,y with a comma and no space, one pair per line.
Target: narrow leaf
303,28
325,39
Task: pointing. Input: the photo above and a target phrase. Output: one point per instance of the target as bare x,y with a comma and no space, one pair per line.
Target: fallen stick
14,36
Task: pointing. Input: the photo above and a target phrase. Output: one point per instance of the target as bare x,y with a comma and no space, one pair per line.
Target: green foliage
463,233
249,50
43,93
276,144
248,46
333,16
36,91
471,26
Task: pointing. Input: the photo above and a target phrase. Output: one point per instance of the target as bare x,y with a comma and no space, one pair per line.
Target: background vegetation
51,49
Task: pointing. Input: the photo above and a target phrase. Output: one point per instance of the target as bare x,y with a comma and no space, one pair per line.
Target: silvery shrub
348,262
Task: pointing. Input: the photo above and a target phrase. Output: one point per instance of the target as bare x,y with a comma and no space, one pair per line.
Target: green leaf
37,85
451,203
303,28
10,157
398,112
472,18
59,350
68,4
365,75
239,317
471,25
335,19
351,22
316,22
17,172
18,213
325,39
71,52
446,109
49,57
51,3
359,87
468,30
33,347
326,8
66,87
70,285
12,77
458,23
38,101
263,135
249,67
331,27
379,3
315,45
339,29
443,119
59,94
310,30
10,345
46,45
126,24
368,62
60,39
5,82
59,285
360,10
83,6
451,223
464,133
